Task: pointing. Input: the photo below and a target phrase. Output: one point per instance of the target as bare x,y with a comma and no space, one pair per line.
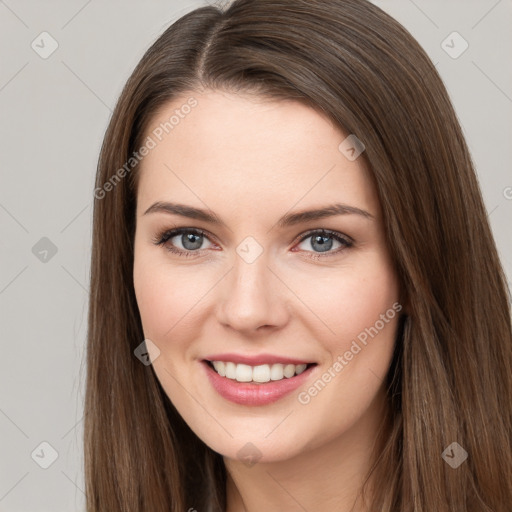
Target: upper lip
255,360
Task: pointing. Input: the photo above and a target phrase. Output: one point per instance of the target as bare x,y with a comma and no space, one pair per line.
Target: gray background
53,115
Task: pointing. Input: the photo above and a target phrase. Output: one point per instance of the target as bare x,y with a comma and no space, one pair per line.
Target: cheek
150,300
165,298
369,305
362,309
350,300
157,306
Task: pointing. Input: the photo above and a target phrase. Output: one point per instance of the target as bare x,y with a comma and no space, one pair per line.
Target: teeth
220,368
230,370
289,370
260,374
276,372
243,373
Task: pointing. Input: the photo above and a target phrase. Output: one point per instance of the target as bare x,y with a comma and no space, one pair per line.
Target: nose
252,298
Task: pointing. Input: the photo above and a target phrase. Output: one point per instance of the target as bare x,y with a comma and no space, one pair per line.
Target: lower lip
244,393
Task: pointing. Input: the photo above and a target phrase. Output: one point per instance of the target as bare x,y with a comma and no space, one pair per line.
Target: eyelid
329,232
164,236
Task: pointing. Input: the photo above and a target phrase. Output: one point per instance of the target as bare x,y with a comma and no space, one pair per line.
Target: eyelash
162,238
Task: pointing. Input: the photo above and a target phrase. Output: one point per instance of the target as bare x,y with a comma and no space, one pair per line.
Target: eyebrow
290,219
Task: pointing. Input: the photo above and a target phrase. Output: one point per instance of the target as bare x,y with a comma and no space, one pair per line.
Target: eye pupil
190,241
325,242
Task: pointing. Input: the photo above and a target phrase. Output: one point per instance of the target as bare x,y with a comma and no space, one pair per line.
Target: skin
250,161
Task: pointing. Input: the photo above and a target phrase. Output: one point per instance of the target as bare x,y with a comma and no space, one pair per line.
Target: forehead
247,153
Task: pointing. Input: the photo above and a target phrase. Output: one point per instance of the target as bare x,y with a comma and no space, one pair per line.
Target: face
300,310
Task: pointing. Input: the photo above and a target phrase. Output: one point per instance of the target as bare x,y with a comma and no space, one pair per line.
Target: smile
259,384
257,374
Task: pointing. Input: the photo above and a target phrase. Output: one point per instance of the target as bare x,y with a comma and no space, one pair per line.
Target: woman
296,299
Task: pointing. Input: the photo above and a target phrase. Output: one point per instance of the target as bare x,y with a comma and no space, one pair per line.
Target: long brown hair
451,376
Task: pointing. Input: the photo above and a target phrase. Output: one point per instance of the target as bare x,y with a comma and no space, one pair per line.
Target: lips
256,393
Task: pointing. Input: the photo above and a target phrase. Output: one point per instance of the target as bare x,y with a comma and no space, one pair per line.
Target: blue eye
322,242
192,239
